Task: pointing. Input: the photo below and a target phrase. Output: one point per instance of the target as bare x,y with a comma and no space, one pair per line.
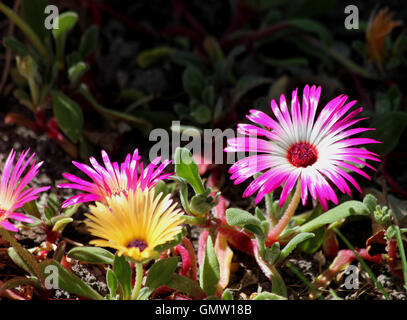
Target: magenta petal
20,217
9,226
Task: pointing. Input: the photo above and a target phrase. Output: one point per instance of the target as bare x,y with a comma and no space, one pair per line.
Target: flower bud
382,215
27,67
201,204
391,232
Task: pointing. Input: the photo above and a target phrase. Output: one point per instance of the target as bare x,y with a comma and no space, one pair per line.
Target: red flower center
302,154
141,244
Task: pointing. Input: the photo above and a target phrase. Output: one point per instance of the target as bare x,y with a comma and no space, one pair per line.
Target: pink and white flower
112,179
14,194
299,145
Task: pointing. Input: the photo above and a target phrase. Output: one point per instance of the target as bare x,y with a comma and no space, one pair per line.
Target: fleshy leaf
240,218
342,211
122,270
296,240
185,167
91,255
68,114
209,273
224,255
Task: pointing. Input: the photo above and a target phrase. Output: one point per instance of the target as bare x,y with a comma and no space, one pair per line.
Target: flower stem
24,254
139,278
288,214
402,255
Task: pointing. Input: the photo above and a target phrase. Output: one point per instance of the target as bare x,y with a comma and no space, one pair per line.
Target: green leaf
185,167
89,41
91,255
296,240
185,58
268,296
148,57
227,295
312,26
201,204
69,282
208,96
71,210
209,273
59,251
66,21
19,261
311,245
271,254
33,13
193,82
239,217
389,128
170,244
61,224
16,46
184,284
112,282
213,49
245,84
201,114
76,71
159,274
32,209
370,201
68,115
340,212
122,269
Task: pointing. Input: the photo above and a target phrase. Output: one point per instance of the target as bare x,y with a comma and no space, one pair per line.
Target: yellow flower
378,28
135,225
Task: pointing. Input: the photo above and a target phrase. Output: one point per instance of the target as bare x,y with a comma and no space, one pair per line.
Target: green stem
288,214
139,278
299,274
196,221
24,254
336,55
114,114
34,92
402,255
27,30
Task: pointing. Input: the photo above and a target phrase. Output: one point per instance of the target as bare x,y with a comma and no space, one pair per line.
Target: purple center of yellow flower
141,244
302,154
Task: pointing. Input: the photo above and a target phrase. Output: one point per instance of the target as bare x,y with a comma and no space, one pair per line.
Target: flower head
112,179
301,146
378,28
13,193
135,224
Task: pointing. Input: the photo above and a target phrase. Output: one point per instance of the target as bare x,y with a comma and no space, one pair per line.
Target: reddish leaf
202,245
186,261
224,255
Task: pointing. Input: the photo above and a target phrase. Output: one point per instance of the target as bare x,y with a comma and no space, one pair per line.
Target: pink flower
14,194
112,180
301,146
